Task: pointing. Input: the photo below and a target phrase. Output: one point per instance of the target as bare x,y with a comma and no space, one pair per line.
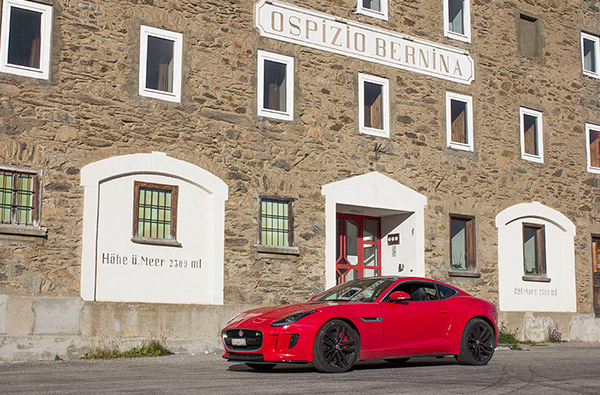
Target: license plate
238,342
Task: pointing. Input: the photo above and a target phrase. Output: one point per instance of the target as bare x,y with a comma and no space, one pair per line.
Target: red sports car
394,318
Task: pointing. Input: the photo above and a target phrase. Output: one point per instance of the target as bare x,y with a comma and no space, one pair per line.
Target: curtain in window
275,86
459,121
530,134
595,148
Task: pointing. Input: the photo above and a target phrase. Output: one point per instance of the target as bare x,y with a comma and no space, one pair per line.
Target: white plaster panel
161,280
516,294
108,228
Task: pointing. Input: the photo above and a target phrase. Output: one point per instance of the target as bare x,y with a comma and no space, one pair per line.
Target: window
596,274
592,139
529,37
160,64
275,86
532,147
20,201
459,121
276,221
25,38
462,243
155,212
457,19
373,8
374,106
534,250
590,56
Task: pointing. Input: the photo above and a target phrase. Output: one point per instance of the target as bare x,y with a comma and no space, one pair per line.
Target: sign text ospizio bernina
313,29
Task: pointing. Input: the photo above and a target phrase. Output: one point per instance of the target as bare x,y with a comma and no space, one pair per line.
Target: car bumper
289,344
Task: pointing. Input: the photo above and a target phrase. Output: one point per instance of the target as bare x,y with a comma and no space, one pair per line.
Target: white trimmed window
160,64
275,86
459,121
592,142
373,8
457,19
374,105
532,145
590,54
25,38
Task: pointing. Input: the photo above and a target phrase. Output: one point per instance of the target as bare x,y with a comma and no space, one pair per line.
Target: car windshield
361,290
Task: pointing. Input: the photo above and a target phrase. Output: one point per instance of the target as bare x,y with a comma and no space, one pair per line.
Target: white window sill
20,230
284,116
157,242
277,250
532,158
460,146
592,169
536,278
591,74
372,13
463,273
457,36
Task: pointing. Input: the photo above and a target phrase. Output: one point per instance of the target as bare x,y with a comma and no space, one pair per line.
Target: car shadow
374,364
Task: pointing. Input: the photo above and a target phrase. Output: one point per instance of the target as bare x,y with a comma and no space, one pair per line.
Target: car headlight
290,319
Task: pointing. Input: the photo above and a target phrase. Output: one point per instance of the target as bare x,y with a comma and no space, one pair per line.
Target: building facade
165,164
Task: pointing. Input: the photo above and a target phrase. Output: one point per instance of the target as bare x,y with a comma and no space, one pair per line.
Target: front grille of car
253,338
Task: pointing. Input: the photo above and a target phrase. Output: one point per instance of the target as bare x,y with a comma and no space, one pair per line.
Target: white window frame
383,14
45,39
288,61
589,127
596,41
177,39
385,107
466,37
468,100
540,135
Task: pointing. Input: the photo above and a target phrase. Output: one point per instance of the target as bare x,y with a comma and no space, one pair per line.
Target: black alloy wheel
261,366
337,347
477,343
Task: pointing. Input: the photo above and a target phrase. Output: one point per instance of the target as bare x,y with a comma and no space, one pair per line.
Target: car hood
266,315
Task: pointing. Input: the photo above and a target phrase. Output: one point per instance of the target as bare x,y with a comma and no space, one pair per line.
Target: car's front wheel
337,347
477,343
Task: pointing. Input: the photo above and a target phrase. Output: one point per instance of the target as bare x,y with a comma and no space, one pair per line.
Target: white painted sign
313,29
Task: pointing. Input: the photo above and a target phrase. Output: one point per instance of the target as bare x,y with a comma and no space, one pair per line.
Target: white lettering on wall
313,29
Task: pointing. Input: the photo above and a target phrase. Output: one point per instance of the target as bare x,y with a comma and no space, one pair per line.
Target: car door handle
443,312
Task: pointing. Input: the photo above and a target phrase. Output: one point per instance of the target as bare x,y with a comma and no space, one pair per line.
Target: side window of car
446,292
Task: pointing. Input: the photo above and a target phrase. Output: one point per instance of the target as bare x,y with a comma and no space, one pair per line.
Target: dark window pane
159,64
459,121
374,5
589,55
456,16
154,213
373,105
24,38
274,97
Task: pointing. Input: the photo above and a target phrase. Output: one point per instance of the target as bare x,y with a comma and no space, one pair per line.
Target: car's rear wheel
337,347
261,366
477,343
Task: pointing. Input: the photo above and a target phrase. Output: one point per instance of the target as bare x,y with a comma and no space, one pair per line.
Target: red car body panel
386,329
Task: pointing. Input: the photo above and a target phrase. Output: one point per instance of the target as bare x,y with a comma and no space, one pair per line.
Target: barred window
155,211
276,221
19,197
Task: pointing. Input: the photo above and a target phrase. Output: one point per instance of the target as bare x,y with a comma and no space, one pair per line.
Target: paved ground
551,369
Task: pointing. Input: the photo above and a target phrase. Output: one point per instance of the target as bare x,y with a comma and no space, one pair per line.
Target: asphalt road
552,369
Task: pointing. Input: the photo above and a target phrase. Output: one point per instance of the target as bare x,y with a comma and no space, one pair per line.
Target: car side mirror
399,296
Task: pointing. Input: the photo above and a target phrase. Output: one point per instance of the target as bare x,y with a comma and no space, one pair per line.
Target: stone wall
90,109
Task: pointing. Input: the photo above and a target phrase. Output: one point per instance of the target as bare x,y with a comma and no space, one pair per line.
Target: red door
358,251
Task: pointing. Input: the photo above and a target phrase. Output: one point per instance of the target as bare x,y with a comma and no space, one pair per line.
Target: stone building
165,164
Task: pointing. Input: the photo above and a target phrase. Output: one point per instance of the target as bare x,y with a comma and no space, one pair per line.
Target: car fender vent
372,319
